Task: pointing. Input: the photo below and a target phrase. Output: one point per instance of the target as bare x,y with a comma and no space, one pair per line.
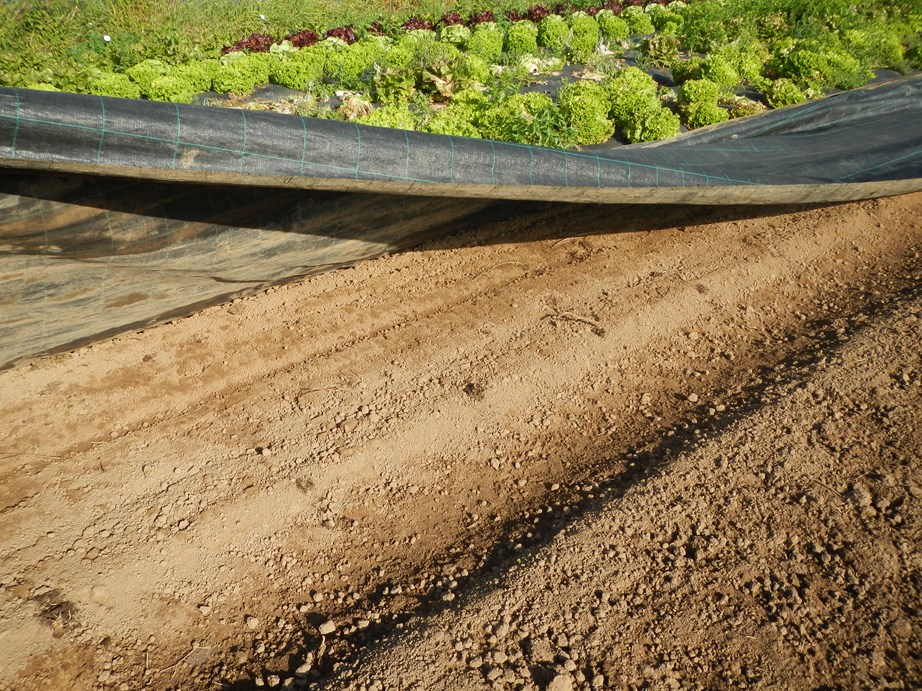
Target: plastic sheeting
856,144
118,214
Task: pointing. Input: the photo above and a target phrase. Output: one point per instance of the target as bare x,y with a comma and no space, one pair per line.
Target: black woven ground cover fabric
119,214
867,137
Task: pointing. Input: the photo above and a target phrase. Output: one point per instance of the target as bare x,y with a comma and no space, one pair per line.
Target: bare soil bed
590,447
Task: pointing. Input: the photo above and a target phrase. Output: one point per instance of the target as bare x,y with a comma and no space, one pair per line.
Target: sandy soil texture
589,447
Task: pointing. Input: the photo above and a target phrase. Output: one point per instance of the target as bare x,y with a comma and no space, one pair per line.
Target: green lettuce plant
612,28
742,107
457,34
630,91
698,99
395,116
651,126
554,34
394,85
351,66
529,118
703,113
299,70
199,75
698,91
146,72
455,119
487,42
638,21
704,25
173,88
718,69
522,39
747,57
667,21
783,92
815,66
240,73
585,106
636,108
683,70
112,84
584,37
660,50
876,46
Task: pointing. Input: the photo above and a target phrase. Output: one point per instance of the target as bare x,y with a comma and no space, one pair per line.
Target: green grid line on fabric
18,120
915,152
406,165
493,163
303,142
358,151
243,150
178,134
102,130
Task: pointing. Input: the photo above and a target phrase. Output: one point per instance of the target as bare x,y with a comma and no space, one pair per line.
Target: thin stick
496,266
820,482
570,317
30,453
575,237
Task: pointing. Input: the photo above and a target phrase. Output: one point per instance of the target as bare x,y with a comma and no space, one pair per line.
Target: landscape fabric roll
856,144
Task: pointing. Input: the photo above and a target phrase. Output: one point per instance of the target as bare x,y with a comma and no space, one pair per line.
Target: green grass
63,40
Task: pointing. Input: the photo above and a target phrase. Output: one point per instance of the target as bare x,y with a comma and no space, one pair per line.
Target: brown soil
593,447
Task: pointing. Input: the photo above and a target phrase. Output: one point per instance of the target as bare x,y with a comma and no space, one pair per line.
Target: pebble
251,622
99,594
901,628
693,398
326,628
562,682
